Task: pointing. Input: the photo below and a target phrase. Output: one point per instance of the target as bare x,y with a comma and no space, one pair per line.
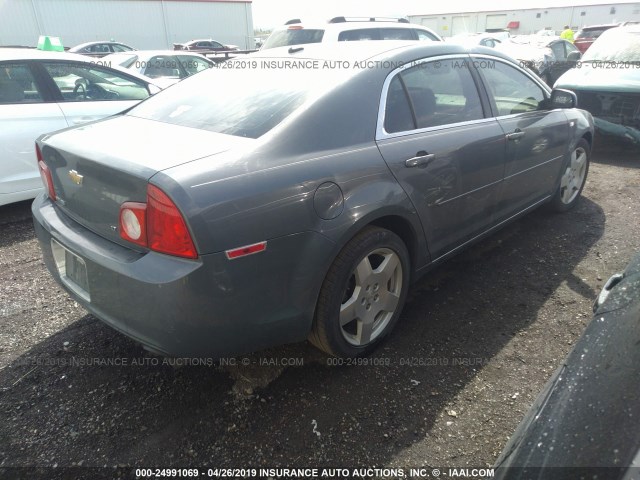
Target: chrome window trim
546,89
382,134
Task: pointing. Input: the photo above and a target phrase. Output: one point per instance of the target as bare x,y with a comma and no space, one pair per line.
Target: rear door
536,137
445,152
26,112
88,92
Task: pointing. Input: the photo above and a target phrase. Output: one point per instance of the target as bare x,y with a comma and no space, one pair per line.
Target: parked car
470,39
205,45
166,67
608,83
45,91
100,49
587,35
346,29
549,59
584,422
301,205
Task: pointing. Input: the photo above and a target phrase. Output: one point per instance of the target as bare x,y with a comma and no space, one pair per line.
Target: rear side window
293,36
439,93
377,34
17,85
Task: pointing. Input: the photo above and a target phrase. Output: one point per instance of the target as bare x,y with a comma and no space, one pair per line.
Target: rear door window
17,84
439,93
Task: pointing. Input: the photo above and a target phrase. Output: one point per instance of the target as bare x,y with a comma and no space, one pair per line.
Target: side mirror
573,57
562,99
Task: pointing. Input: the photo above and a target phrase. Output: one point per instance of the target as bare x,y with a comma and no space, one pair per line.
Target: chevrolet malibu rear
202,223
190,224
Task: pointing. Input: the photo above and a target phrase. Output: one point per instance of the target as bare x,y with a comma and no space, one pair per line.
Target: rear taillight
157,225
166,230
45,174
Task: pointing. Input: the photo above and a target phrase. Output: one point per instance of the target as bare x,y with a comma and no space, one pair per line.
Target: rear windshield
293,36
238,101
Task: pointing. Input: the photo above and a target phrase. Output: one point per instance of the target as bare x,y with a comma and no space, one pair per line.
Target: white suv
343,29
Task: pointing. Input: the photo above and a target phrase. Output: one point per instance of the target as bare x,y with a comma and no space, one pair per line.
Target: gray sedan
220,221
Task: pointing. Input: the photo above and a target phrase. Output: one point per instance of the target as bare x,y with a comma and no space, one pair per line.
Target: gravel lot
477,340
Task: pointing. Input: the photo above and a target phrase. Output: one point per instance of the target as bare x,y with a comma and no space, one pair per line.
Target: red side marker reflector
246,250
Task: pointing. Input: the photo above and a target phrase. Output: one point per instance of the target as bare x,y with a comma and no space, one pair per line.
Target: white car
166,67
42,91
347,29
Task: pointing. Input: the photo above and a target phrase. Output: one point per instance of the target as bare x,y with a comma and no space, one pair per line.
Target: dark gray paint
234,192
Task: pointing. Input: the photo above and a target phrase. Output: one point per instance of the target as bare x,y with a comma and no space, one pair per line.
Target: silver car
220,221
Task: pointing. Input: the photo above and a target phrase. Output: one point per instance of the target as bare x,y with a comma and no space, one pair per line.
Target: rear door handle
516,135
421,159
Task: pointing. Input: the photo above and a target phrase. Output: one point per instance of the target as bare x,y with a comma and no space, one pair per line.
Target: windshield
293,36
229,100
615,45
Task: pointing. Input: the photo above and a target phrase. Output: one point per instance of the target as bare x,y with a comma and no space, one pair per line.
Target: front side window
17,85
80,82
99,48
431,94
512,91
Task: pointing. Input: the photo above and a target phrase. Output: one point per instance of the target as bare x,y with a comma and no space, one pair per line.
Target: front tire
362,295
573,179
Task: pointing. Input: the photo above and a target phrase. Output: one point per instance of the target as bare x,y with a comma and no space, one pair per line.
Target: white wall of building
143,24
531,20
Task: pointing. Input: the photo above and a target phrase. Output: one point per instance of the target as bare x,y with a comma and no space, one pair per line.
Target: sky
271,13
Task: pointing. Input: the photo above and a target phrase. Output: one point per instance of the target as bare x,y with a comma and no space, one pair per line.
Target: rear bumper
206,307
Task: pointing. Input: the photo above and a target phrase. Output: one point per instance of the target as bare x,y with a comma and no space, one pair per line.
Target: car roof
353,25
360,51
152,53
35,54
86,44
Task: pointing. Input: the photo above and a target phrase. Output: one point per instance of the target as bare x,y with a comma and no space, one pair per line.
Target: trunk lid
99,166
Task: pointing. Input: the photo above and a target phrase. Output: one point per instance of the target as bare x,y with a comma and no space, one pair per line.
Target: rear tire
362,295
573,178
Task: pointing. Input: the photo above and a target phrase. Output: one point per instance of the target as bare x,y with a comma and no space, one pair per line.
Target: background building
143,24
530,20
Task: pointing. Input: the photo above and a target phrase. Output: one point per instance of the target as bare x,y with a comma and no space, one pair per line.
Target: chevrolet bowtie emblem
75,177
